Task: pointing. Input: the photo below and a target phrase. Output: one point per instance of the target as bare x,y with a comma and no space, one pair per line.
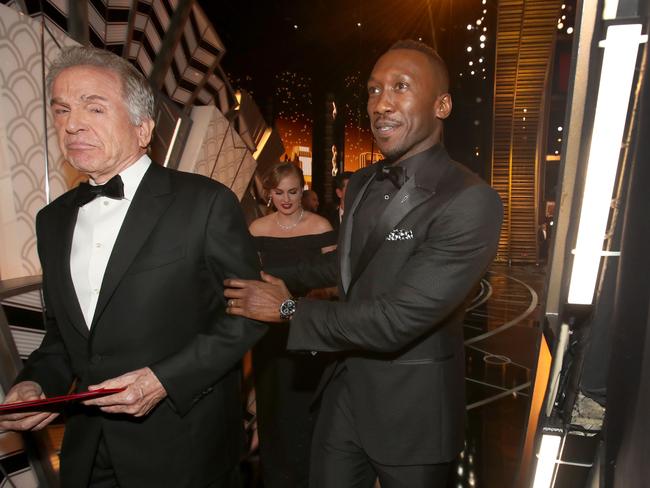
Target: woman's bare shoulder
316,224
261,226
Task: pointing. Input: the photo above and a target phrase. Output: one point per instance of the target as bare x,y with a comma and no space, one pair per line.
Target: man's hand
258,300
142,394
23,392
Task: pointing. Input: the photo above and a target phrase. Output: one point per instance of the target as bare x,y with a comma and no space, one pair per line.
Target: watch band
287,309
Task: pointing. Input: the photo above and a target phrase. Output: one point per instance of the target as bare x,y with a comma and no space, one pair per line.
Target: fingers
237,311
22,392
26,421
235,292
143,392
47,420
271,279
237,283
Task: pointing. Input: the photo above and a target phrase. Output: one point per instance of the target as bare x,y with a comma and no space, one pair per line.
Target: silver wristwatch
287,309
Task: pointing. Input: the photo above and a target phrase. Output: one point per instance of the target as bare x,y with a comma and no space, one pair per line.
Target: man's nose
75,122
383,102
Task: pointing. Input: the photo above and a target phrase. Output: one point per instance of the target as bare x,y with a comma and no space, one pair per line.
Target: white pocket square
399,235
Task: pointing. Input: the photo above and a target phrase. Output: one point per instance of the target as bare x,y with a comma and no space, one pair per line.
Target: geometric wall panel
525,42
214,149
23,139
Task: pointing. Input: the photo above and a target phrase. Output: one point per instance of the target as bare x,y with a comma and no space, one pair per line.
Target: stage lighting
547,459
619,61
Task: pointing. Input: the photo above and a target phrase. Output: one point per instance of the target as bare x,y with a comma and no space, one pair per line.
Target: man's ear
144,131
443,106
339,193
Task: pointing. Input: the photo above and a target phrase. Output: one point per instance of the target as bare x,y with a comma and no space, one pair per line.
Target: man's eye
96,109
60,111
401,86
373,90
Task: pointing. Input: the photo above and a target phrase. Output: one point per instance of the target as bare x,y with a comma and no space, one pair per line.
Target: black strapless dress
285,381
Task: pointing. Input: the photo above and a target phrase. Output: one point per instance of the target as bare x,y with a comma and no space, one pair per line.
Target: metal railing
37,448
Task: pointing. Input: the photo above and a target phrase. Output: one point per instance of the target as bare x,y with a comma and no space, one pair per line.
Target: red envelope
50,404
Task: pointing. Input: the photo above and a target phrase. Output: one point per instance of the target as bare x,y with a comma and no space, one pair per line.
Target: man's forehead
405,61
410,62
83,74
91,97
86,83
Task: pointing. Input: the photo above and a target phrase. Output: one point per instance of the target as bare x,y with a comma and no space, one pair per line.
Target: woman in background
285,381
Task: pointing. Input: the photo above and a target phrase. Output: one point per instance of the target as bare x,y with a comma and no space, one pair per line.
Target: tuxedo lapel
346,236
149,203
418,189
70,300
405,200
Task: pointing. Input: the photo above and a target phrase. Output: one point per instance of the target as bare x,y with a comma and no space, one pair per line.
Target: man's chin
82,166
391,153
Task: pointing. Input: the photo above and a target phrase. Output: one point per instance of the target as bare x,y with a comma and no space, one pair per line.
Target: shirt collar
132,176
412,164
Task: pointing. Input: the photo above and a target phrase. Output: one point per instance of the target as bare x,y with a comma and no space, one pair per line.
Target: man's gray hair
136,91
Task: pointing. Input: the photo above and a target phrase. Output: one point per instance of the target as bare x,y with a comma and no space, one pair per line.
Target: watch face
287,309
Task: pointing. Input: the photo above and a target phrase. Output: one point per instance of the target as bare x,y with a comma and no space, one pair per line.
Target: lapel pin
404,198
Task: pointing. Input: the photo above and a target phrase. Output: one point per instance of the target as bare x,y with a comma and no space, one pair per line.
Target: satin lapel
70,300
346,239
149,203
405,200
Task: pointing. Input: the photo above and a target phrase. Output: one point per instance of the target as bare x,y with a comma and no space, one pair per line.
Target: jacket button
95,359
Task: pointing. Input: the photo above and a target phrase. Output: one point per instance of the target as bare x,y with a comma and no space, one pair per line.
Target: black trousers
339,461
103,475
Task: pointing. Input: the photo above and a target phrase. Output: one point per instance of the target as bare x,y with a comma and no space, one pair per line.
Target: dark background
319,44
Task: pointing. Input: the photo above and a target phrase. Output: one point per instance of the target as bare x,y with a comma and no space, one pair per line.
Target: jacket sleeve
434,281
190,373
316,272
49,364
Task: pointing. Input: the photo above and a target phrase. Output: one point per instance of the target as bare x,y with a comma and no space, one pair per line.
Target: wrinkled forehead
88,79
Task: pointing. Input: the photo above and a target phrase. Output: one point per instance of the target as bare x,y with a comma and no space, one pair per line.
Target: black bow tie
396,174
113,188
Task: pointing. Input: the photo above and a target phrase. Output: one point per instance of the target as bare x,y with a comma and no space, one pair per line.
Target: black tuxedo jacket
399,321
160,305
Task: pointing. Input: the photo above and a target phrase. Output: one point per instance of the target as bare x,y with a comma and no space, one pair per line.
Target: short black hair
340,178
435,59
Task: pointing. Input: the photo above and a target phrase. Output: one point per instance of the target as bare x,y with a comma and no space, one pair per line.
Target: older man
133,264
418,232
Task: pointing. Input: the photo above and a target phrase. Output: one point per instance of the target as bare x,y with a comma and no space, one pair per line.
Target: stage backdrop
23,159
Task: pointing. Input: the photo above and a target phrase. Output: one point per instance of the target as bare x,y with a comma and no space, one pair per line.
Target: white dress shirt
95,233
